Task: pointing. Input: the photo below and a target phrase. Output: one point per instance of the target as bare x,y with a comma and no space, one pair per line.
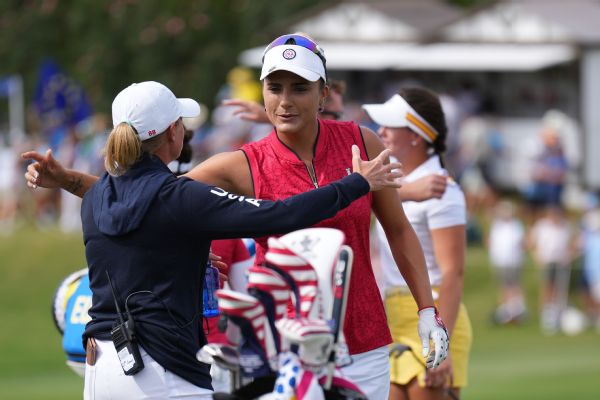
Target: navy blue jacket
152,231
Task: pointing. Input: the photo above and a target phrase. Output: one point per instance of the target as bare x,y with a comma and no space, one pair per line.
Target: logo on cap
288,54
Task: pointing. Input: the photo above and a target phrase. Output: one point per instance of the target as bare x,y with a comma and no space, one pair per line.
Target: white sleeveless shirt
424,216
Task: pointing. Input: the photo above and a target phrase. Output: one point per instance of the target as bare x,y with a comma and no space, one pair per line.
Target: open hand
379,172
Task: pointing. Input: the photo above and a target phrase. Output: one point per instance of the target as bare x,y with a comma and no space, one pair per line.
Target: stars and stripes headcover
303,274
257,348
273,292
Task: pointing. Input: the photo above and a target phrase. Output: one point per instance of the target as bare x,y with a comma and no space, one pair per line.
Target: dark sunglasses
297,40
334,115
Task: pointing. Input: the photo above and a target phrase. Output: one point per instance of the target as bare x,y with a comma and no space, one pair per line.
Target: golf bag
307,272
70,305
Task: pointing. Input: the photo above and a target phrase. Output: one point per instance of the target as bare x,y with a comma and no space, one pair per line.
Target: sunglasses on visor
297,40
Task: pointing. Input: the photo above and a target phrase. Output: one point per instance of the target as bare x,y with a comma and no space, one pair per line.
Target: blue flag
59,100
5,86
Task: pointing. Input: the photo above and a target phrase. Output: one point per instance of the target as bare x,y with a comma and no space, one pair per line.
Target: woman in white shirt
413,127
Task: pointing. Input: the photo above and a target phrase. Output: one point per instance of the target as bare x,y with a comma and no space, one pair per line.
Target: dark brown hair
427,104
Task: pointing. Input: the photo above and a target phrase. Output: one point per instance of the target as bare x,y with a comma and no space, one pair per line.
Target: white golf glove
431,327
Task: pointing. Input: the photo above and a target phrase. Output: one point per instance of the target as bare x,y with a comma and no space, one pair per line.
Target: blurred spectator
241,84
506,247
589,243
82,150
452,113
548,171
69,219
9,178
229,132
475,157
550,240
334,103
469,99
187,158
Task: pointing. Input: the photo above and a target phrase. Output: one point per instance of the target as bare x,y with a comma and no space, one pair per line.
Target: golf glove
432,328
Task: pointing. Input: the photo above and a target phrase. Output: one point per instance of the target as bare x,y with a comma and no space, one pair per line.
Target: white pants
106,380
370,371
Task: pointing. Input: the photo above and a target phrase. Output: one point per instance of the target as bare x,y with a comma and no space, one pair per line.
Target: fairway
507,362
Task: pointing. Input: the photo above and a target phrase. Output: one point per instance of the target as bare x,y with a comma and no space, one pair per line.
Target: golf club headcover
320,247
313,337
303,274
273,292
257,348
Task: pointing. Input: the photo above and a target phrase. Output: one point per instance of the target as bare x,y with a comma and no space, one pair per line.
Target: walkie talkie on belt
123,337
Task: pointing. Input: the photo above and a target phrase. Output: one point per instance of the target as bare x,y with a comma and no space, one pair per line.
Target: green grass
518,362
514,362
32,363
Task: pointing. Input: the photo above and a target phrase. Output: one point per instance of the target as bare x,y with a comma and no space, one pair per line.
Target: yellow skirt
402,317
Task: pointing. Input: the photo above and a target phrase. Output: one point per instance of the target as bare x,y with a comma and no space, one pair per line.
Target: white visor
397,113
296,59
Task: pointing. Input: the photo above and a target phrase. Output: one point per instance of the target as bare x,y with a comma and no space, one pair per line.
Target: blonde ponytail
123,148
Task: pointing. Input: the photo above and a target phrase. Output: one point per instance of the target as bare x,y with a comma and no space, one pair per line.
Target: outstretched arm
47,172
221,214
229,171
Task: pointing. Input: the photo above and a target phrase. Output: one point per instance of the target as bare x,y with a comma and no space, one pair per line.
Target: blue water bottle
209,298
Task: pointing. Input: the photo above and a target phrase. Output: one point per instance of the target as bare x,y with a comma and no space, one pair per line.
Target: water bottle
211,284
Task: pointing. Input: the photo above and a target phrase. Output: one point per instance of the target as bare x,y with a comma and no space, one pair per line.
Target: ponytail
427,104
123,148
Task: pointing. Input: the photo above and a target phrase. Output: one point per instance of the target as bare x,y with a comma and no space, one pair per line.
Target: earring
413,143
321,108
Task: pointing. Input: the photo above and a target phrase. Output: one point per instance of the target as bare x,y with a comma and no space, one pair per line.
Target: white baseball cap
150,107
304,58
397,113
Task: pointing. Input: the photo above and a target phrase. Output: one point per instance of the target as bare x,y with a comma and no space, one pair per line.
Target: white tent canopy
510,22
515,35
438,56
356,22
